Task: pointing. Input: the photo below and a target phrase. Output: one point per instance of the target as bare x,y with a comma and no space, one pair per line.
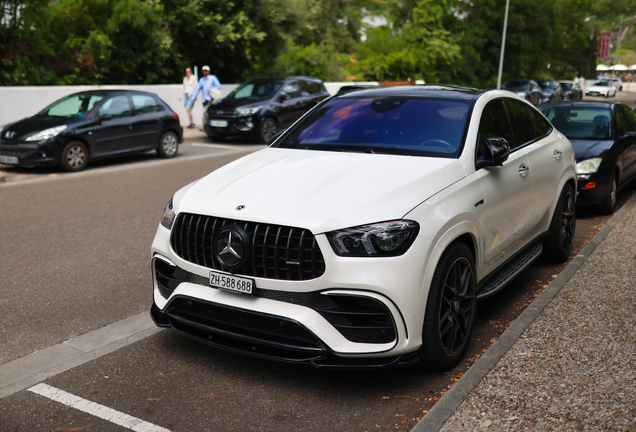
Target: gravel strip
574,368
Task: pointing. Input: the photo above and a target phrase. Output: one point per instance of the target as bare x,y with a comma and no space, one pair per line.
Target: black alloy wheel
269,128
450,310
560,241
74,156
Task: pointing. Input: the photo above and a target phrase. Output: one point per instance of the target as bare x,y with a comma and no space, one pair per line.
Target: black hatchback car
603,135
261,107
92,125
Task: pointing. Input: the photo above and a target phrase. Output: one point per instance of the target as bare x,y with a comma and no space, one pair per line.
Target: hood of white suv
318,190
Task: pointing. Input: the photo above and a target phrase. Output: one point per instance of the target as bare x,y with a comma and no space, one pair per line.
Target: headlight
589,166
382,239
248,111
168,215
46,134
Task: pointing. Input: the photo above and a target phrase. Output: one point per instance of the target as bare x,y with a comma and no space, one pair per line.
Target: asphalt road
74,259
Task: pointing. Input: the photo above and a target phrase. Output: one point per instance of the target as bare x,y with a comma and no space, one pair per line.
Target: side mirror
105,117
284,96
497,152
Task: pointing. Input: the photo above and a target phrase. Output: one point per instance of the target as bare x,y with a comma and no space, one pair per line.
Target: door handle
557,154
523,170
130,126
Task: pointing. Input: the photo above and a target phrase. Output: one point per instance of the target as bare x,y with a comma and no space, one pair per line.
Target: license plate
218,123
235,284
9,159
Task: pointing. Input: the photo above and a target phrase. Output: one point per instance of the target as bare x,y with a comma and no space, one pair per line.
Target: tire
450,310
268,129
74,157
168,145
558,245
609,205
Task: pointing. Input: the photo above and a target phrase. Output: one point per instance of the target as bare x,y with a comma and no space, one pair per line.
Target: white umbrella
620,67
632,67
601,68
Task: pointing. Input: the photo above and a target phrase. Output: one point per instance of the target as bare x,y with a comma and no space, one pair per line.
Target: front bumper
29,154
323,321
588,195
246,126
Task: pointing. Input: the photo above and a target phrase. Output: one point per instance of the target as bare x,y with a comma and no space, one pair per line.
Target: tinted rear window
580,122
387,124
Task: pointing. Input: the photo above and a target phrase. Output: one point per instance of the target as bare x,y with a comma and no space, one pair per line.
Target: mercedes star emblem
231,247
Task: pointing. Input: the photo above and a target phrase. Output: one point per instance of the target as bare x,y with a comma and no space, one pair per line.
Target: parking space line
95,409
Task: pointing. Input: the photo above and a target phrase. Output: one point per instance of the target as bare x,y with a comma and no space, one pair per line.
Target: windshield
566,86
546,85
386,124
603,84
258,90
71,106
581,123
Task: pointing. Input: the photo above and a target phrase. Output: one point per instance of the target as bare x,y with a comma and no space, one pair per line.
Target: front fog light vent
359,319
165,277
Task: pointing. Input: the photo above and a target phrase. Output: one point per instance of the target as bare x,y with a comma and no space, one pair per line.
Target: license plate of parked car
9,159
231,283
218,123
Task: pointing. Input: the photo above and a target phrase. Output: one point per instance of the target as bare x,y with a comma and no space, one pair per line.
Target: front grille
16,153
277,252
191,314
359,319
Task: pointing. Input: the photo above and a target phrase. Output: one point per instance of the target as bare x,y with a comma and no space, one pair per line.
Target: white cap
207,68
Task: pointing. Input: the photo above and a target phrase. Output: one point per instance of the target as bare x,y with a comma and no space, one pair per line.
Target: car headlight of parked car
248,111
382,239
168,216
589,166
47,133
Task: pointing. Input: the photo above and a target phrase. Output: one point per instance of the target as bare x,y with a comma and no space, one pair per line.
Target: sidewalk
194,134
568,363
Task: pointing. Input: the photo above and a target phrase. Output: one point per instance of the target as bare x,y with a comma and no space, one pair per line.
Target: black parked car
263,106
603,135
527,89
571,90
92,125
550,90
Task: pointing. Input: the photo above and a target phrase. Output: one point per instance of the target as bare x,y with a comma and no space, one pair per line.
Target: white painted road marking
95,409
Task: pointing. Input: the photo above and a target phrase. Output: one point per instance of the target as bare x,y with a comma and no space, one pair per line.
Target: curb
448,404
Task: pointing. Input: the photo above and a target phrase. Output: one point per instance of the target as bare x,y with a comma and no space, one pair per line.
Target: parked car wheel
74,156
562,228
450,310
609,205
269,128
168,145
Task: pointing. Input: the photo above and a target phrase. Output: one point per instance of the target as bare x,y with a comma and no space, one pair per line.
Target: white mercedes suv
365,234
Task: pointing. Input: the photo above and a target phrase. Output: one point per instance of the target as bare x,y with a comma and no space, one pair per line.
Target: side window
541,126
292,89
305,90
521,120
493,124
116,107
631,117
622,121
144,104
